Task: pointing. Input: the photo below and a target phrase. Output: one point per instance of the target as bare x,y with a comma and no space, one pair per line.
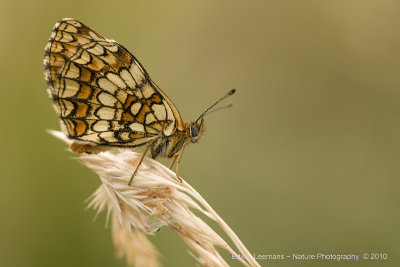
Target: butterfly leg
138,165
173,161
179,161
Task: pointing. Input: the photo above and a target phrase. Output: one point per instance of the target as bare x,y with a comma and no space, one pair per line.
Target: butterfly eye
194,131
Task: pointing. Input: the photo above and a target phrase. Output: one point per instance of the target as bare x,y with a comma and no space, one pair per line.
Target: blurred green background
306,161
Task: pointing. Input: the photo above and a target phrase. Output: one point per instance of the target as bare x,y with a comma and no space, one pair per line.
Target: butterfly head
196,129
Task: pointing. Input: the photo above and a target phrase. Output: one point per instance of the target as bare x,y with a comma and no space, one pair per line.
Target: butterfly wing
101,92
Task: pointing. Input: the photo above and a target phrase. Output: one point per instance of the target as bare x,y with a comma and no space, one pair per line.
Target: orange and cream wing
101,92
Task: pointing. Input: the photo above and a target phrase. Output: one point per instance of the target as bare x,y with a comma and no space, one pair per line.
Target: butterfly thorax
169,146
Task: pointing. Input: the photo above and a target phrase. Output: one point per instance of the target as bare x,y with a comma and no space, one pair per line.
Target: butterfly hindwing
101,92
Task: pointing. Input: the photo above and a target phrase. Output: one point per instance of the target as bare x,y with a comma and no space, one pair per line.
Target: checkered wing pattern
101,92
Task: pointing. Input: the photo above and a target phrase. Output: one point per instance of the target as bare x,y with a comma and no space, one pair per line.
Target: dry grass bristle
155,199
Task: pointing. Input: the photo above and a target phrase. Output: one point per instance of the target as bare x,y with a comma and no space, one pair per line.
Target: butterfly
105,98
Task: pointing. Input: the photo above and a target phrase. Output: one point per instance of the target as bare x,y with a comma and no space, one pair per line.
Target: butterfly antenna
231,92
216,109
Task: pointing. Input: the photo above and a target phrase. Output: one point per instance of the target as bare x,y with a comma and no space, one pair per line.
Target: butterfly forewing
102,94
